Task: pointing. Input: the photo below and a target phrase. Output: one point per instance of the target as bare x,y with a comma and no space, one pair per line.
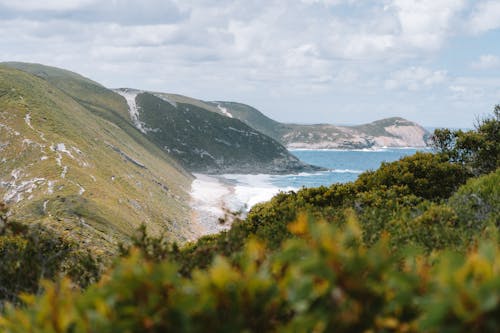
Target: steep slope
253,118
389,132
204,140
72,159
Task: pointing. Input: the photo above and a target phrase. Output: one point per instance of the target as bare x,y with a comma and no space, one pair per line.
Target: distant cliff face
389,132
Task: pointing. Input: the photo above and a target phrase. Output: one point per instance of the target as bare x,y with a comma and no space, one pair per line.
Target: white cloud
426,23
251,50
488,61
329,2
485,17
56,5
415,78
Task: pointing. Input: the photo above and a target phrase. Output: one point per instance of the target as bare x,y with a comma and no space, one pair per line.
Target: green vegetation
476,203
205,141
67,162
255,119
477,149
31,253
411,247
322,280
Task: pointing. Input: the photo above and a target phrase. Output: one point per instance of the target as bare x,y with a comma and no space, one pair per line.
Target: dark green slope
205,141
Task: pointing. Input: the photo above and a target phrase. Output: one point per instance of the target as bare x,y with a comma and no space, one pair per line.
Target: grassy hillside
254,118
72,159
206,141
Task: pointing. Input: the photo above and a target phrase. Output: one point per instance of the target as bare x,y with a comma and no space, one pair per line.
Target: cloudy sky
436,62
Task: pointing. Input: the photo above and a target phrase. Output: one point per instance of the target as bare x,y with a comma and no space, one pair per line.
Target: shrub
31,253
426,175
478,150
322,280
477,203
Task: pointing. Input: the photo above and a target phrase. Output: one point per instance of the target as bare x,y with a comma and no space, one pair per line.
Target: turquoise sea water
343,165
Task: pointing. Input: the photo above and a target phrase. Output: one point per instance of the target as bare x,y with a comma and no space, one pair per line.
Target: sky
436,62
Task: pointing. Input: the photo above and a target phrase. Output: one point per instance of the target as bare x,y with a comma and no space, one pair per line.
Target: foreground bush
31,253
323,280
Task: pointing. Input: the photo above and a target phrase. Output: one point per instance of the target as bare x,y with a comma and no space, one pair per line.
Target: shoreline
218,200
372,149
208,196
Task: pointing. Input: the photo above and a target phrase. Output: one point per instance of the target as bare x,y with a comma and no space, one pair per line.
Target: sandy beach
217,200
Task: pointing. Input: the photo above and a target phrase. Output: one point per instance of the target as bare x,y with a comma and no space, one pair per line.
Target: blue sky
436,62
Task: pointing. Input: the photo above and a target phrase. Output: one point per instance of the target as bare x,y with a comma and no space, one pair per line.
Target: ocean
214,196
343,165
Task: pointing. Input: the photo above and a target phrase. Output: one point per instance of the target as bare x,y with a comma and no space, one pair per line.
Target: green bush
435,228
477,203
478,150
428,176
29,254
391,252
322,280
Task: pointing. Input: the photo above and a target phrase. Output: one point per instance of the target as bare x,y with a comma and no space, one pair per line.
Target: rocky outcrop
391,132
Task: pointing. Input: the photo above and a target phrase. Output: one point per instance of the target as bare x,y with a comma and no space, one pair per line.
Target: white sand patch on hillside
27,120
224,111
62,148
130,96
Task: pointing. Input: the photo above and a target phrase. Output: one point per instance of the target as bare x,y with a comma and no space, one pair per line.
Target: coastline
218,200
371,149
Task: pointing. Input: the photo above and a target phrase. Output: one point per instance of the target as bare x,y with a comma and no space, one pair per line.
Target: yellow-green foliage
323,280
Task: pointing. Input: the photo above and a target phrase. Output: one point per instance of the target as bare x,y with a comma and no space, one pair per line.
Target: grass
119,195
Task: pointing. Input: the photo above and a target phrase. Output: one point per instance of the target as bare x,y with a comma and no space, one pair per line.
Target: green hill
253,118
204,140
76,159
72,159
